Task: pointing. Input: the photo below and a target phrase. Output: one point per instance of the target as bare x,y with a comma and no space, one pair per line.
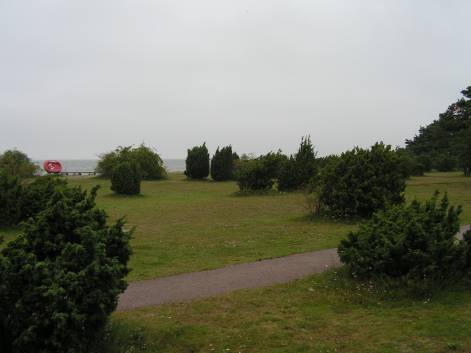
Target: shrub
197,162
11,191
60,279
222,164
254,175
126,179
273,162
360,182
445,163
17,163
148,162
411,165
37,194
413,244
296,172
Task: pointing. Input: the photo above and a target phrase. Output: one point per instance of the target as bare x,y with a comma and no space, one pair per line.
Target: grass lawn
189,226
185,226
323,313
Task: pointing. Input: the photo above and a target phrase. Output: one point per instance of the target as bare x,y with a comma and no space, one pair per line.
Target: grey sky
80,77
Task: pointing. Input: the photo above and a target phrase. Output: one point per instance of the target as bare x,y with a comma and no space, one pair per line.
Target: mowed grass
323,313
455,184
188,226
184,226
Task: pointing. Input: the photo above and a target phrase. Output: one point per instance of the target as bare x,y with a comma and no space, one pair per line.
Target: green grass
187,226
323,313
184,226
457,186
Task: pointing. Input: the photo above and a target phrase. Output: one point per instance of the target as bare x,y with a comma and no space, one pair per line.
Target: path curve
195,285
204,284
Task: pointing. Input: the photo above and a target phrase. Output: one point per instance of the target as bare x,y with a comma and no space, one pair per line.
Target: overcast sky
78,78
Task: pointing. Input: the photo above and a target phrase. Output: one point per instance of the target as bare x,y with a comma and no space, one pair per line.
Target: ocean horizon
89,165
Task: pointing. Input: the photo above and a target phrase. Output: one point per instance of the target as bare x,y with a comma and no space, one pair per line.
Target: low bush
359,182
222,164
254,175
147,161
60,279
273,163
197,162
11,192
413,244
17,163
126,179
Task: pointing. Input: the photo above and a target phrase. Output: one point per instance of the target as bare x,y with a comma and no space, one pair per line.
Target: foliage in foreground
413,244
197,162
148,162
359,182
17,163
60,279
19,201
11,191
222,164
126,179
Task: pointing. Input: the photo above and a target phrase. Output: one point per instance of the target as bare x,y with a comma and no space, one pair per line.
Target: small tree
254,175
60,279
296,172
360,182
222,164
414,243
273,162
147,161
11,192
17,163
126,179
197,162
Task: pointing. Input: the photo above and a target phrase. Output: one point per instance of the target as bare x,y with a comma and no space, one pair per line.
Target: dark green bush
148,162
273,162
197,162
60,279
445,163
360,182
222,164
254,175
38,193
126,179
296,172
412,244
11,191
411,164
17,163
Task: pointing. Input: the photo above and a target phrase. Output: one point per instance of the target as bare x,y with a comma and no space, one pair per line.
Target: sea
89,165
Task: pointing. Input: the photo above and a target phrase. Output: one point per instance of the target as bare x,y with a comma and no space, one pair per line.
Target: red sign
52,166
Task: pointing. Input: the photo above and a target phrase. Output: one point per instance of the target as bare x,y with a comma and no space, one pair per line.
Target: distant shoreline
89,165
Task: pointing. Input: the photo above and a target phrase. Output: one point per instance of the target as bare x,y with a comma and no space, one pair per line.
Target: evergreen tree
446,140
296,171
222,164
197,162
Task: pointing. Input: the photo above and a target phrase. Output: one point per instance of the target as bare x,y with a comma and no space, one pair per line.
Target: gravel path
195,285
